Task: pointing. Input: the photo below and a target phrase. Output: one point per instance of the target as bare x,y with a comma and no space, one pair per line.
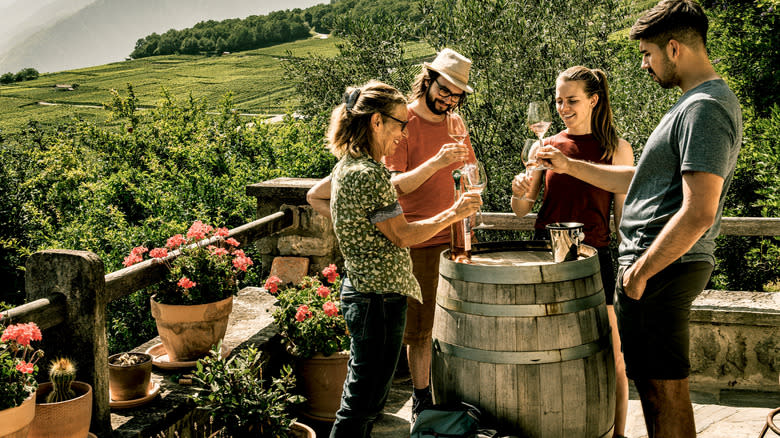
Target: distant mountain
19,19
81,33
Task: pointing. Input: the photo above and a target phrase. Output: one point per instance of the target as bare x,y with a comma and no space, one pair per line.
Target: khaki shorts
419,316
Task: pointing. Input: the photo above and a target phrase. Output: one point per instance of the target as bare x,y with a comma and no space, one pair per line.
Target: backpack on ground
460,420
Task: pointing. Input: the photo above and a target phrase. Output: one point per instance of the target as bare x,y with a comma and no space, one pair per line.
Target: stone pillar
80,276
313,238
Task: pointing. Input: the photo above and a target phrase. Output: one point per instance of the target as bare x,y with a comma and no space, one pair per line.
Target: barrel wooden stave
561,398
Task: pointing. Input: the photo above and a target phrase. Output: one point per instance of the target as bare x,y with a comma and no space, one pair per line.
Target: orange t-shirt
435,195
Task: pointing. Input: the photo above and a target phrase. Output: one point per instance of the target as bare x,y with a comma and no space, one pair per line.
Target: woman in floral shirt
374,238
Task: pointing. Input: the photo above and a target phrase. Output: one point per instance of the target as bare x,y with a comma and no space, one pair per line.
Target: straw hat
452,66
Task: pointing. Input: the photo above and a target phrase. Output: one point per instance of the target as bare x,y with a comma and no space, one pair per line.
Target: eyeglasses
401,122
445,92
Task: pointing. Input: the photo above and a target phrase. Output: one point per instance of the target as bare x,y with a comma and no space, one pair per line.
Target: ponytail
349,129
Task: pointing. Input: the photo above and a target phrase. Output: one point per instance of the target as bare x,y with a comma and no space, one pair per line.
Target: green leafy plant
309,314
203,272
18,361
240,399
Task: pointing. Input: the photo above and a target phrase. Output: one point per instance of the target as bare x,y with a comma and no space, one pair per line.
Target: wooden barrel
526,340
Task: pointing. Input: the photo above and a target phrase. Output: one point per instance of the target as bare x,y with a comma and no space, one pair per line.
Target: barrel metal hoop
524,310
524,357
530,274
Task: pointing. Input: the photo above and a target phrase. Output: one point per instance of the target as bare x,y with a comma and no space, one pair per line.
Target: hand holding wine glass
476,182
528,156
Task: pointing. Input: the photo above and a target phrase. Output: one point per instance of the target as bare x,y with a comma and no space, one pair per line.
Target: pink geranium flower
158,253
272,284
175,241
323,291
198,230
308,315
132,259
303,313
22,334
217,251
25,367
330,308
186,283
216,270
330,273
242,263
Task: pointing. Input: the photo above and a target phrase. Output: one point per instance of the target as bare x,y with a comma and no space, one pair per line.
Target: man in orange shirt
421,169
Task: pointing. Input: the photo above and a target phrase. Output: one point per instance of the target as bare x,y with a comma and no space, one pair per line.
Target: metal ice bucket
565,239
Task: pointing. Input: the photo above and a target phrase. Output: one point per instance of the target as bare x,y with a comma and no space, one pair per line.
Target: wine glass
476,181
456,128
539,119
528,156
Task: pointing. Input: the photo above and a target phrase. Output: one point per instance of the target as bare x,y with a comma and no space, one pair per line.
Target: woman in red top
582,100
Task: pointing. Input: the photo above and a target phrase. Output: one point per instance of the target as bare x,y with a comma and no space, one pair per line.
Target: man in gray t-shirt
674,200
702,132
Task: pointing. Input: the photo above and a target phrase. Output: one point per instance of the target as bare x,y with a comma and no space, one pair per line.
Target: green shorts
654,329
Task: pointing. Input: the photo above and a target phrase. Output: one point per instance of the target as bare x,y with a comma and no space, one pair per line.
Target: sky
26,39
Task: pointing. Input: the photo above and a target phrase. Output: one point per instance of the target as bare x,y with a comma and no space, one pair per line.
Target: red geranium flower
272,284
158,253
303,313
330,308
186,283
330,273
175,241
323,291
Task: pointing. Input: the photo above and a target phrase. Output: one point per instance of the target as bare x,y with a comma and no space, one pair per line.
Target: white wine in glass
476,181
528,156
456,128
539,118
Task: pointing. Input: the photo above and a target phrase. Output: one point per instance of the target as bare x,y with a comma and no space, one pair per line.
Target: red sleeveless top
568,199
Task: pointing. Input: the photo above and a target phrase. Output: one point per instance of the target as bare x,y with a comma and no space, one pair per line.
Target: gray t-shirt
702,132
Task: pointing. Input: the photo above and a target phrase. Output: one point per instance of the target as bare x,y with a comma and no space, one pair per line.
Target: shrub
244,401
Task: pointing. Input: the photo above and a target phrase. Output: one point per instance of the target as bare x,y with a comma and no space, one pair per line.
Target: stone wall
313,238
735,341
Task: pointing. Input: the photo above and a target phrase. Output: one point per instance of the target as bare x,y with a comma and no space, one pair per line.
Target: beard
430,102
670,79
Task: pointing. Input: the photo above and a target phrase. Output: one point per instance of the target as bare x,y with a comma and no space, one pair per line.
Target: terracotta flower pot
188,332
15,422
321,379
67,419
129,382
300,430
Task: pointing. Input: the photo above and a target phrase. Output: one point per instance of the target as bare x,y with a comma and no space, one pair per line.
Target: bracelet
520,199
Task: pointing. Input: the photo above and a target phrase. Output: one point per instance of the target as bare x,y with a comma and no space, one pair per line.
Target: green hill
256,78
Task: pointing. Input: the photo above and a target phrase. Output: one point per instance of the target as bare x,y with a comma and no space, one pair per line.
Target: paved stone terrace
742,415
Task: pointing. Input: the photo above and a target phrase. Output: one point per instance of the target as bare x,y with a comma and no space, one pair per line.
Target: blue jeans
376,326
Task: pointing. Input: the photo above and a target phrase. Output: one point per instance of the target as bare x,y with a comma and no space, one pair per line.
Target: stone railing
735,336
67,293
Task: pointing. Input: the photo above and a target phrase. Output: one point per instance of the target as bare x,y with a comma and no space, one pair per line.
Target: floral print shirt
361,196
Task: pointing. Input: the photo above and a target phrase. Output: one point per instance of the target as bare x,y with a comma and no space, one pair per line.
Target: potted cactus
63,405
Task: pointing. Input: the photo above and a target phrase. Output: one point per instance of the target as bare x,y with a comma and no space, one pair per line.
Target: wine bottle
460,233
